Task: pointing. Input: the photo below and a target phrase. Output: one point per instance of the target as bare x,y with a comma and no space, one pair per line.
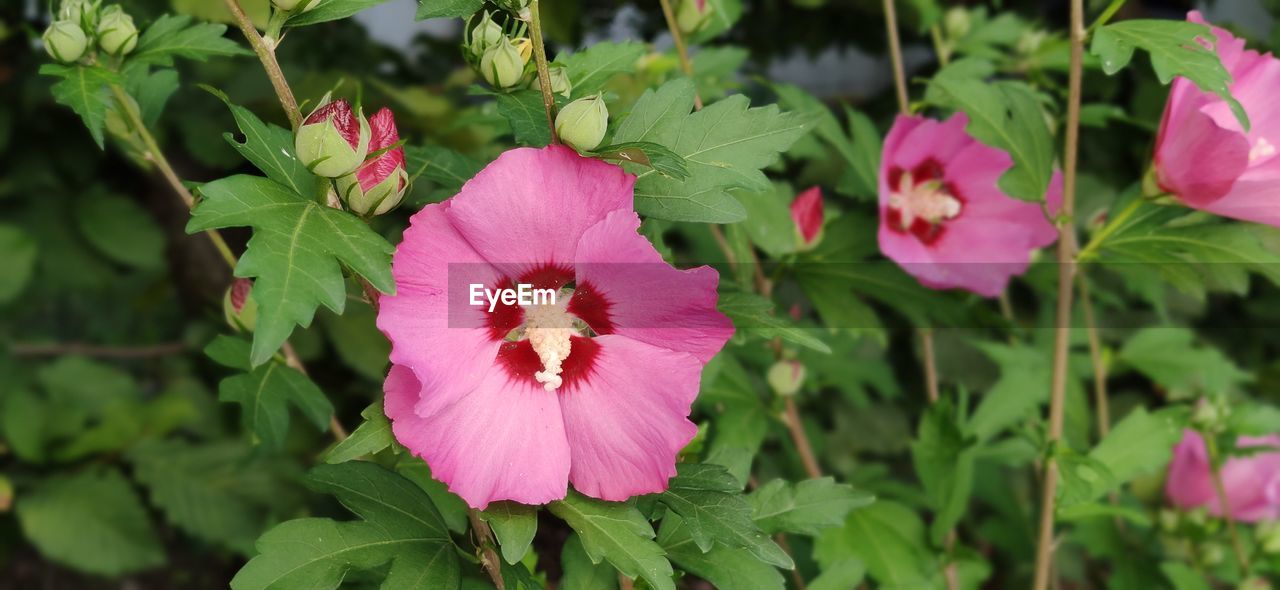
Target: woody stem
267,55
485,543
682,50
1219,488
544,71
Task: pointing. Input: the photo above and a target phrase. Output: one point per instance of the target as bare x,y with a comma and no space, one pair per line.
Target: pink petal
1250,482
505,440
1188,484
626,288
529,208
1195,158
627,422
384,134
924,139
806,212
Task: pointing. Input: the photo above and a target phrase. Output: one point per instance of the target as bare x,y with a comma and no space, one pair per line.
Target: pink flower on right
943,217
1205,158
1252,483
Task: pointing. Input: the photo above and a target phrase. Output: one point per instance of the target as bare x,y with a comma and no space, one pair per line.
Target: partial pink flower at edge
806,212
490,407
943,217
1252,483
1205,158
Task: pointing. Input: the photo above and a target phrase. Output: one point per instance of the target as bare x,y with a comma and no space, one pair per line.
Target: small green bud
1211,554
81,12
295,5
1210,414
693,15
333,140
484,35
520,8
117,35
957,22
65,41
786,377
560,83
1169,520
1268,536
501,65
240,310
582,123
1198,517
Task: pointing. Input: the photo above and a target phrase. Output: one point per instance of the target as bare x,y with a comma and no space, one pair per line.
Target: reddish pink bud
806,212
1252,483
379,184
239,309
240,293
333,140
344,120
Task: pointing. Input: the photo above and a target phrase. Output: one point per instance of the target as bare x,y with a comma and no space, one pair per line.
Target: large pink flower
1205,158
942,216
1252,483
515,403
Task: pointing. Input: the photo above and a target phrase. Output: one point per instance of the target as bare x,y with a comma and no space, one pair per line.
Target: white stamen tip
549,328
1261,149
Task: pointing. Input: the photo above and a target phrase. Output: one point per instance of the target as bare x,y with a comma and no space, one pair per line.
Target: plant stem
1215,470
930,364
1106,14
682,50
1100,398
1066,272
895,54
943,52
544,71
291,360
1112,226
485,543
267,55
801,440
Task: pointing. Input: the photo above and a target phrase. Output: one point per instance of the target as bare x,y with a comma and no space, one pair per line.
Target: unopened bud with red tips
806,212
333,140
379,184
583,122
65,41
693,15
239,308
502,65
117,35
484,35
560,83
786,377
295,5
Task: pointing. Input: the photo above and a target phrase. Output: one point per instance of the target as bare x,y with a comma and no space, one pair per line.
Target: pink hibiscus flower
1205,158
595,389
1252,483
942,216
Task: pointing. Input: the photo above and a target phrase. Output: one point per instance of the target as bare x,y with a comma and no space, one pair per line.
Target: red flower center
922,201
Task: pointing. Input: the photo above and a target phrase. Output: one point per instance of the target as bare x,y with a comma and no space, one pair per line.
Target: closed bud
65,41
786,377
379,184
295,5
582,123
525,48
82,12
333,140
484,35
693,15
806,213
117,34
1269,537
1210,414
239,308
957,22
1211,554
520,8
501,64
560,81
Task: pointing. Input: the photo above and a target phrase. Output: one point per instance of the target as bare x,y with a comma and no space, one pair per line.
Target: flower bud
582,123
560,83
520,8
1211,554
484,35
65,41
333,140
81,12
806,212
501,65
957,22
1268,536
786,377
117,34
525,48
239,308
295,5
379,184
693,15
1169,520
1210,414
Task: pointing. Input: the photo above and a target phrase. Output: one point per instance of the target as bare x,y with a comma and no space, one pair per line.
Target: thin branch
895,54
544,71
1215,470
292,360
485,543
1066,272
930,364
267,55
801,440
98,351
682,50
1100,398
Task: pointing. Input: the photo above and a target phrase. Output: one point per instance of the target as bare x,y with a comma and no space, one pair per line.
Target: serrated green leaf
373,435
860,149
725,146
452,509
230,351
840,575
330,10
715,510
122,230
151,89
590,68
443,166
91,521
1140,444
944,462
294,253
20,260
723,15
579,571
448,8
1170,357
84,89
1175,50
271,149
727,568
889,538
264,395
651,155
175,36
806,507
769,223
616,531
514,525
524,110
398,526
753,313
357,340
1023,386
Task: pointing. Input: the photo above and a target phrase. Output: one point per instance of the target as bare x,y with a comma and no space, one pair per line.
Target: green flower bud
484,35
117,34
240,310
560,83
957,22
1169,520
693,15
81,12
1268,535
65,41
501,65
520,8
582,123
295,5
1210,414
1211,554
333,140
786,377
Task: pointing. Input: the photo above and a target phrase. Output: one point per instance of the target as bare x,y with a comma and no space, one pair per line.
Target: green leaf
373,435
727,568
175,36
888,538
714,509
1170,357
590,68
91,521
1183,576
330,10
660,159
580,573
448,8
20,261
84,89
398,526
151,89
840,575
1140,444
1023,386
724,146
230,351
122,230
753,313
358,342
440,165
616,531
524,110
515,525
264,395
1175,50
1006,116
294,253
271,149
769,223
724,13
806,507
452,509
944,461
860,150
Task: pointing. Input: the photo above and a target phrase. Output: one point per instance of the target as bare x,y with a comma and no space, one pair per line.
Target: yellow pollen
549,328
928,201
